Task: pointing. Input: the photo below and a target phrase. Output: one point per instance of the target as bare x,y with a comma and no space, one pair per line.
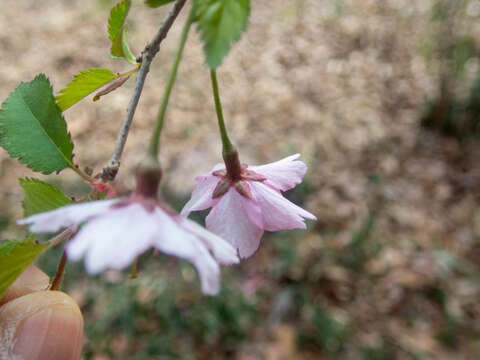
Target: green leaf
118,14
117,45
120,48
117,32
33,129
41,196
157,3
15,256
220,23
84,83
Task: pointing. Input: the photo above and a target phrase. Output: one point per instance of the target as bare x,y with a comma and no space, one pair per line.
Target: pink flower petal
111,242
278,213
222,250
172,239
237,220
208,271
202,194
118,231
66,216
176,241
283,174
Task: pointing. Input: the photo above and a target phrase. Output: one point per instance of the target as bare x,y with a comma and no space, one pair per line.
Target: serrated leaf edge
211,62
115,9
20,157
69,162
76,78
29,180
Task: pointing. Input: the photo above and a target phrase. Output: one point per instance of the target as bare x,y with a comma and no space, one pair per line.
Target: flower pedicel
247,200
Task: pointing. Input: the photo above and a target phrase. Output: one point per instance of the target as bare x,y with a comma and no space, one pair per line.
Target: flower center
240,184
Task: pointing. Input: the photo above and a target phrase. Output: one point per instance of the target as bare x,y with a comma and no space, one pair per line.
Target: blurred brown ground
341,82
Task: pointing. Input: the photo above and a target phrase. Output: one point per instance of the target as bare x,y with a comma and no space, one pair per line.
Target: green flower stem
155,140
229,152
228,148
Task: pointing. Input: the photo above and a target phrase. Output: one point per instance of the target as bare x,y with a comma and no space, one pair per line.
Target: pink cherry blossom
117,231
244,207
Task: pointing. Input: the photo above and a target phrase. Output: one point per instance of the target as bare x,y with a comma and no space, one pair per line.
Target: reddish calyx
240,182
149,175
103,188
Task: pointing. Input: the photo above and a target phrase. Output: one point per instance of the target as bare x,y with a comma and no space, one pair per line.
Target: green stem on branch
229,152
228,148
155,140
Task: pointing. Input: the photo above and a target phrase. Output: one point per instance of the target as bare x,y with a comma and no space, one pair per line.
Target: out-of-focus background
381,98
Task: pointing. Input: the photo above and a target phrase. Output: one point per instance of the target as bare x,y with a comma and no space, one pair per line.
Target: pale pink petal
202,194
113,236
208,271
78,246
174,240
278,213
66,216
237,220
283,174
114,240
222,251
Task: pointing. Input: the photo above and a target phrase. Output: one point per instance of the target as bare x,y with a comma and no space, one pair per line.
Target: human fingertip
32,279
43,325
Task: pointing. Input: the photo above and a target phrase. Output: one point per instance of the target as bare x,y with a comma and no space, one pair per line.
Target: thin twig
152,48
